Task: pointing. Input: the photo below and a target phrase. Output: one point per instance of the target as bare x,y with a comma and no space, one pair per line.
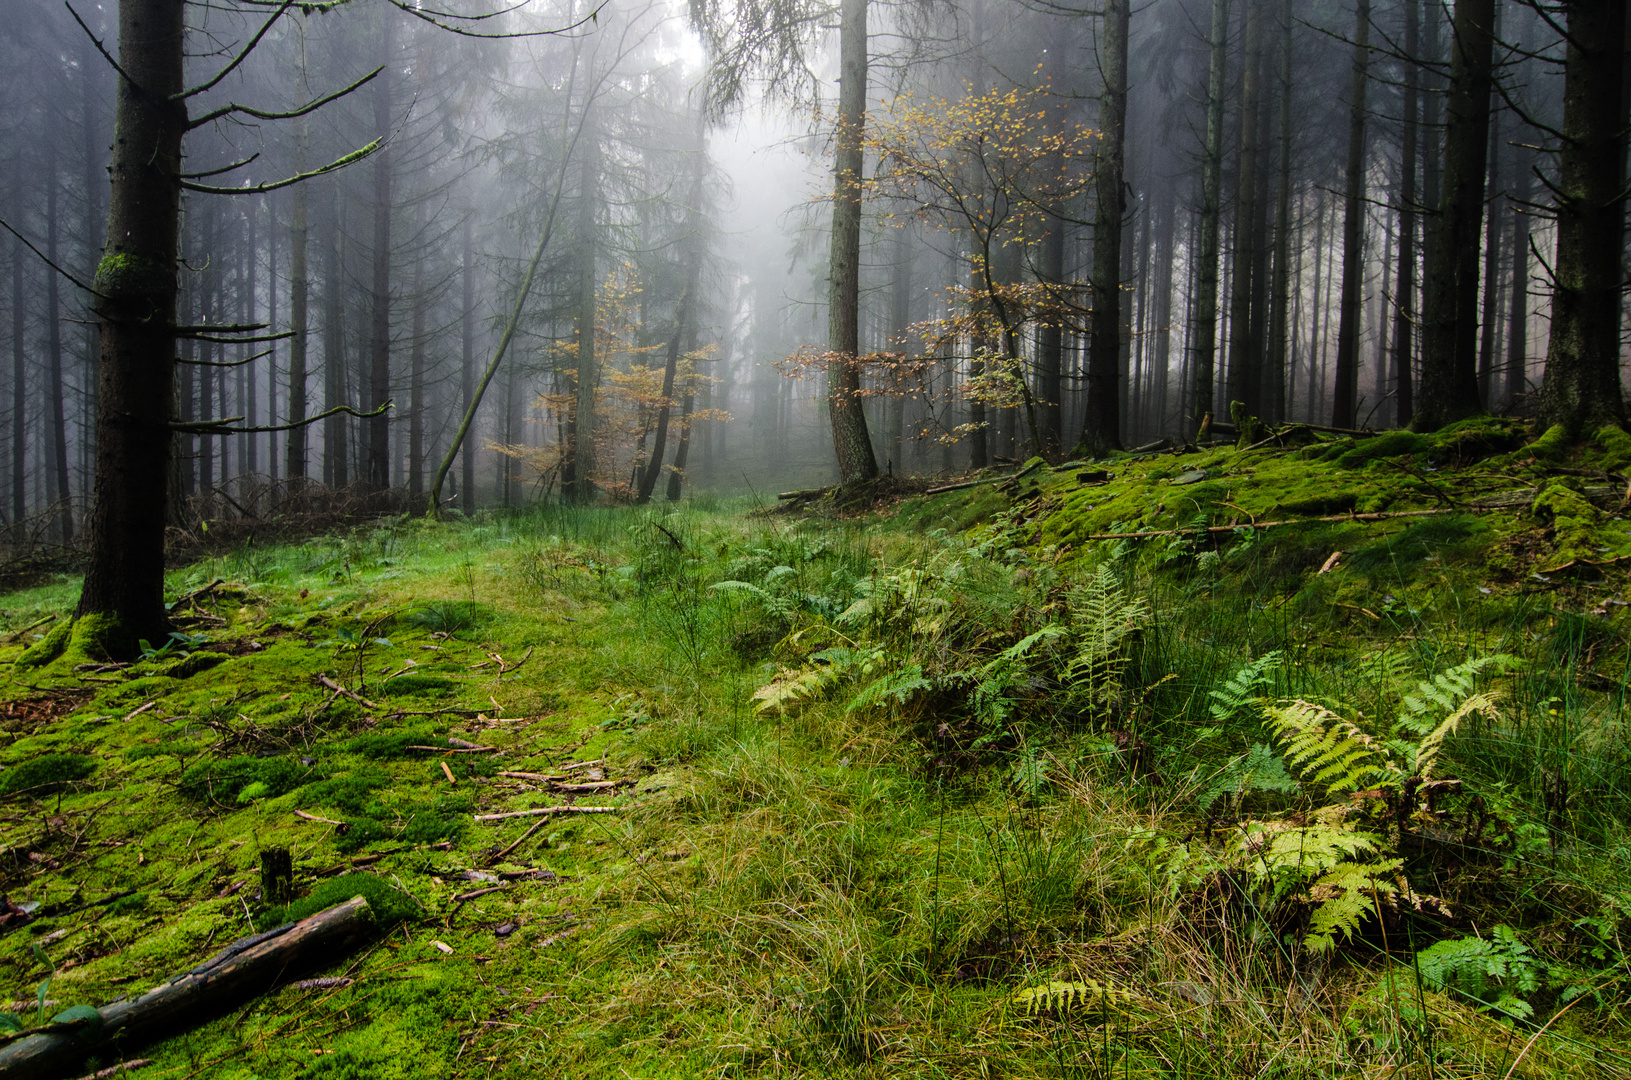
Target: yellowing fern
1058,998
1328,750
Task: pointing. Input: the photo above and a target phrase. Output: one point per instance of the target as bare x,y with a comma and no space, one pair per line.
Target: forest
940,538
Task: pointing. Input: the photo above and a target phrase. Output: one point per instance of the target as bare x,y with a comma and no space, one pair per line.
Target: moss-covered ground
973,784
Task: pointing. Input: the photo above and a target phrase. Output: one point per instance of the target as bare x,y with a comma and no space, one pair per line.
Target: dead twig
540,811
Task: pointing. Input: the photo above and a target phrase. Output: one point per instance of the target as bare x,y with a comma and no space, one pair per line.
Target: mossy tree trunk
1582,387
135,311
851,442
1206,276
1345,395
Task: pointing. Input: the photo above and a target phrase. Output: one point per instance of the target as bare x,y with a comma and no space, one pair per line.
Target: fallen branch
117,1068
314,817
807,493
1381,516
589,786
16,635
244,969
459,749
539,778
463,897
498,856
352,694
540,811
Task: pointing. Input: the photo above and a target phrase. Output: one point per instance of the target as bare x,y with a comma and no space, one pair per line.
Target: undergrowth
894,795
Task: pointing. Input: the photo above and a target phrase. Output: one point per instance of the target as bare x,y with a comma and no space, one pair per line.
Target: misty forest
945,538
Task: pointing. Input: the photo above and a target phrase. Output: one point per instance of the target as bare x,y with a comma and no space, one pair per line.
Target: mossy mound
224,781
387,904
415,684
45,774
1391,445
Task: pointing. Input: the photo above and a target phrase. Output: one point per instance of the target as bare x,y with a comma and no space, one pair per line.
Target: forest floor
970,784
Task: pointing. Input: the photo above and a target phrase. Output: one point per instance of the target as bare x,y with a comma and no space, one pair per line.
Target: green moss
223,781
1551,446
1577,525
1391,445
46,774
1616,444
193,663
387,905
389,744
131,277
1407,549
415,684
47,649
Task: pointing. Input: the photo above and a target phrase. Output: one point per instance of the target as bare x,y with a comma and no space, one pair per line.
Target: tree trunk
1101,428
135,310
1050,347
19,387
1449,362
1404,322
378,468
1517,337
53,337
467,363
1206,283
1242,379
299,284
1273,406
336,456
1493,233
852,444
416,388
578,480
1345,396
1582,387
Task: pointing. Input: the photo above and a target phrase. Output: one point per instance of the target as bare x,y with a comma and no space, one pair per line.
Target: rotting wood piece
248,967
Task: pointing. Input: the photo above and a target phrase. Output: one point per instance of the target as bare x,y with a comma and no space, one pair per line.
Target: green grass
992,817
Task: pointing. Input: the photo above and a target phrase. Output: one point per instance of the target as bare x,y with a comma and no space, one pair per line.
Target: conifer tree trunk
336,454
53,337
135,310
416,389
1274,376
1243,347
1493,234
1206,278
851,443
1101,428
1404,323
1449,362
299,284
467,363
1582,386
1345,394
378,467
19,387
578,477
1517,336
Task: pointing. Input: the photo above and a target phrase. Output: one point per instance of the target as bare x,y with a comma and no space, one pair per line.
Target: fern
1346,894
1424,708
1495,972
1241,690
1259,769
897,687
1328,750
1058,998
1102,621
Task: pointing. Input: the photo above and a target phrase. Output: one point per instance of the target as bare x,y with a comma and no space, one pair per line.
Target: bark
1345,394
53,331
135,311
900,320
467,366
682,452
1161,309
299,285
416,387
578,481
19,388
1493,234
335,457
1273,406
378,467
1449,363
1206,283
1404,323
1101,428
243,970
1517,337
1582,386
852,445
1243,378
1050,348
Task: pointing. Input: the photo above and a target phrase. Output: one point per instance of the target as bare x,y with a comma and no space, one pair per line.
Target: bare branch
223,363
4,224
101,48
243,54
256,189
220,427
259,114
222,169
431,17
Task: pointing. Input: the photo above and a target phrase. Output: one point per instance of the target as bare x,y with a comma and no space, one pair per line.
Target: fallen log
245,969
538,811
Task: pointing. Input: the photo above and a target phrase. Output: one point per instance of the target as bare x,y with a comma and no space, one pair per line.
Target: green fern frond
1346,894
1241,690
1328,750
792,688
1058,998
1424,707
1427,750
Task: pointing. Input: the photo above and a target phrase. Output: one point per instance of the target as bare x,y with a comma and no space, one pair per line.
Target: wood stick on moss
1381,516
540,811
243,970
